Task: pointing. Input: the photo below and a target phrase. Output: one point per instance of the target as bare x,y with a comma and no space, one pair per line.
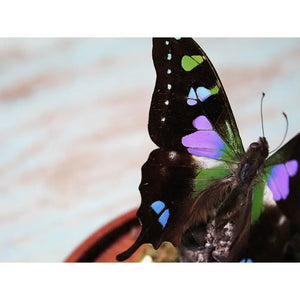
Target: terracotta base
107,242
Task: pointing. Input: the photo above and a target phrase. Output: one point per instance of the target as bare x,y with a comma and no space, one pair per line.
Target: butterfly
200,189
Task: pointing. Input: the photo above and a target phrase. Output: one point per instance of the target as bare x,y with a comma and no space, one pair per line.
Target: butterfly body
221,235
200,189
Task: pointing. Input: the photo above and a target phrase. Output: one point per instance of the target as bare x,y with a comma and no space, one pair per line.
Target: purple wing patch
191,102
278,180
205,141
202,123
292,167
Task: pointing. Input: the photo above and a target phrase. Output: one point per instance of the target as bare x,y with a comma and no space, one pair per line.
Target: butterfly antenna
261,114
285,134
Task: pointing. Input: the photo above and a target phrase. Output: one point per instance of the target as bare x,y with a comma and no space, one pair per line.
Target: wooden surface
73,128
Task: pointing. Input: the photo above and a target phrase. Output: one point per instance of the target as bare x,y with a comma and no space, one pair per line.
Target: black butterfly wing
283,178
187,86
189,106
166,188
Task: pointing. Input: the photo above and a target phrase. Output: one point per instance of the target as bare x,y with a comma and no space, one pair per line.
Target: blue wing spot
203,93
158,206
192,94
169,57
249,260
163,219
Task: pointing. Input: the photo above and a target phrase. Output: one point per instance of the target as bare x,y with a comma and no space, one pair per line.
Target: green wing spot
228,155
214,90
257,201
190,62
207,177
229,132
236,145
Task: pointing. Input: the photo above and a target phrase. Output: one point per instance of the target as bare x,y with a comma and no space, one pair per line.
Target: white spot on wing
172,154
281,220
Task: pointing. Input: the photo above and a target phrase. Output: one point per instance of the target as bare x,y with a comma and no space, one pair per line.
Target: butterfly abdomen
226,225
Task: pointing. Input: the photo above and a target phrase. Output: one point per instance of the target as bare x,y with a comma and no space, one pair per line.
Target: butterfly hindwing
283,177
166,189
188,87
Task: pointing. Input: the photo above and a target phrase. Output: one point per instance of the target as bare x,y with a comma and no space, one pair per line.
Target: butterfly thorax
252,161
242,178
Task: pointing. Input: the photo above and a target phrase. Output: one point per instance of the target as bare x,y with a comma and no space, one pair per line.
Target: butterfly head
260,148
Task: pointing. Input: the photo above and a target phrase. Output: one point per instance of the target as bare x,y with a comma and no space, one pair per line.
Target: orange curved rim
90,249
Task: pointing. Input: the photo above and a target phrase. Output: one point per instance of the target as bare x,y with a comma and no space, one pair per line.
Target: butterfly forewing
187,87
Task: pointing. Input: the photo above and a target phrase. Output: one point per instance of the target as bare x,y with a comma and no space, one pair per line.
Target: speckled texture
73,128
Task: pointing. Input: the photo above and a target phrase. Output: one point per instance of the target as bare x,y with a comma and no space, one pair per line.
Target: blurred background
73,128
